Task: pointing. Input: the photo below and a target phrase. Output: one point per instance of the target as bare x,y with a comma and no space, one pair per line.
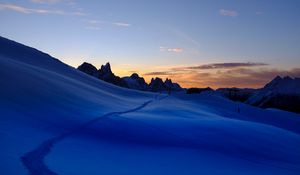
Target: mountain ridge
132,82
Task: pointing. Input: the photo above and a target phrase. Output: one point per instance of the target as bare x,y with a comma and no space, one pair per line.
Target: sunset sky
198,43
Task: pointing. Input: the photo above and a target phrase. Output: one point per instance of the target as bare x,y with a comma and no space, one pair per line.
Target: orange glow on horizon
213,78
186,80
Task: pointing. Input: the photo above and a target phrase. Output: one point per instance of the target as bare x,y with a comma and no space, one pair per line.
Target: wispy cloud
167,49
230,13
45,1
226,65
21,9
243,77
203,67
235,77
121,24
217,75
158,73
92,24
67,2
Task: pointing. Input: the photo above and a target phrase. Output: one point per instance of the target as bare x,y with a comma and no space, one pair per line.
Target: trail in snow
34,160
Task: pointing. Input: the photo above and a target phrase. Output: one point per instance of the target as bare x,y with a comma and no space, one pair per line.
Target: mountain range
280,93
132,82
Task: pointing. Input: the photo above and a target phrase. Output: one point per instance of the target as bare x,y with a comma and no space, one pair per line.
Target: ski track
34,160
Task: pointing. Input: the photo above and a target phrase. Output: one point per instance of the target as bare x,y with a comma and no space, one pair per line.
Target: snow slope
42,97
56,120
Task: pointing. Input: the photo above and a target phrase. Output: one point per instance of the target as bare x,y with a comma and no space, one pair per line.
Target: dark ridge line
34,160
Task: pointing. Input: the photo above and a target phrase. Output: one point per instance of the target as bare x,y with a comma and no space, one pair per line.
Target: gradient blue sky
180,39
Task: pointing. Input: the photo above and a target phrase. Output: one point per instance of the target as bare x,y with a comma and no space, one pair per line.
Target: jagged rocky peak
172,86
104,73
168,83
106,68
156,80
88,69
157,85
133,82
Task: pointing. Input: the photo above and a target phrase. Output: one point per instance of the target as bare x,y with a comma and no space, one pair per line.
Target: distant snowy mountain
133,82
55,119
281,93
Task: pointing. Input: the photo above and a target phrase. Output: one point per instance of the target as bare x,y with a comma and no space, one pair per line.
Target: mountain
132,82
136,82
282,93
104,73
89,69
55,119
157,85
107,75
170,86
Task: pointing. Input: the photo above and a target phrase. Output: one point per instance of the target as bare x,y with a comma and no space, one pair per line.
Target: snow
68,122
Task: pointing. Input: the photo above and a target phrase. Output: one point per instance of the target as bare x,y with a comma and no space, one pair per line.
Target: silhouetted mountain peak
287,78
157,85
168,82
282,93
136,82
133,82
135,76
284,85
88,69
106,69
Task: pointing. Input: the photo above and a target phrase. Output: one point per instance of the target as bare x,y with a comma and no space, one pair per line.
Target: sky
197,43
